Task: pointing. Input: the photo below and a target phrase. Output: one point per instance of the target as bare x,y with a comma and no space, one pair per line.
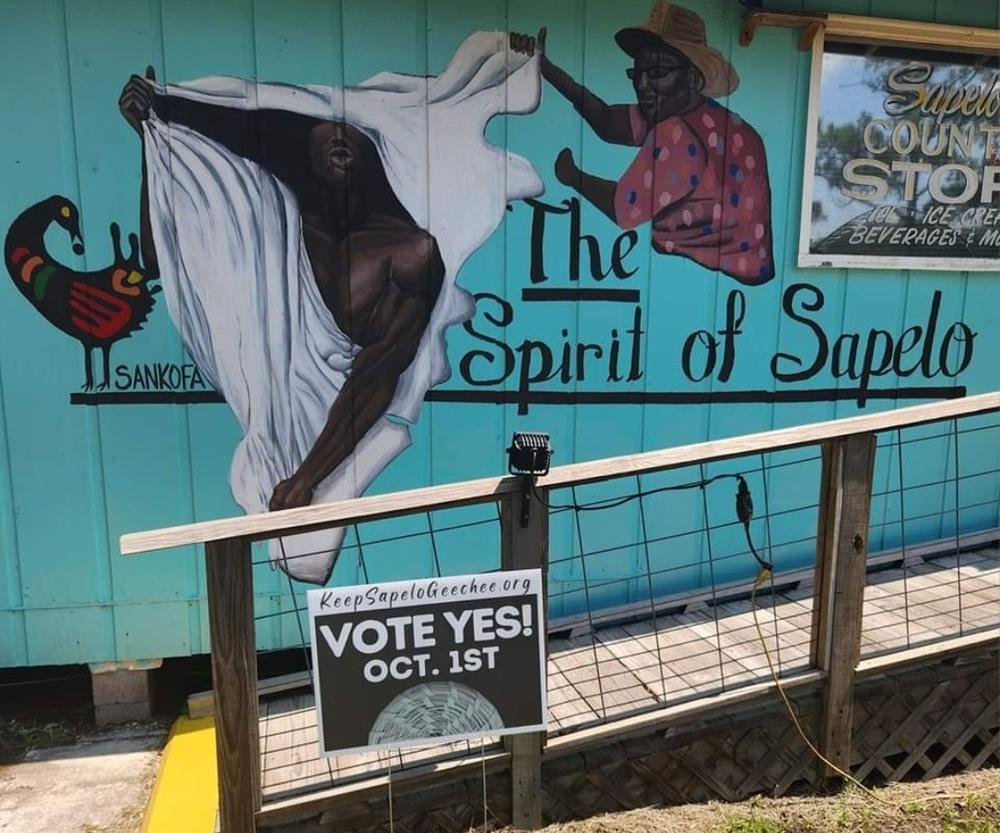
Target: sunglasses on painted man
655,72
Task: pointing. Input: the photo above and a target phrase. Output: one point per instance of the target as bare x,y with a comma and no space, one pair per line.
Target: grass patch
750,824
17,737
963,803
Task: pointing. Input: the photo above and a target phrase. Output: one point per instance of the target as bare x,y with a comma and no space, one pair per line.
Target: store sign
903,162
427,661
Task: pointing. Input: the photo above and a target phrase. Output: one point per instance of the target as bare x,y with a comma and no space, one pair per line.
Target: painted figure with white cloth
378,273
308,239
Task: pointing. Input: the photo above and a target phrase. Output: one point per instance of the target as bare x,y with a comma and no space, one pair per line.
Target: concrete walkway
98,785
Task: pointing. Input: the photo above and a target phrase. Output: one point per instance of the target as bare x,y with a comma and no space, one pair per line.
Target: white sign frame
320,599
810,259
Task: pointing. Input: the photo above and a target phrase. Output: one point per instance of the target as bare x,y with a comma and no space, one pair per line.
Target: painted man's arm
597,191
275,139
609,121
362,401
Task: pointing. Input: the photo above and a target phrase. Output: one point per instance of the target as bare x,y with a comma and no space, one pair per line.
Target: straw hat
685,31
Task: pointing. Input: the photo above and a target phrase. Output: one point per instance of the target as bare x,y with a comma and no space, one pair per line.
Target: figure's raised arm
276,139
135,103
609,121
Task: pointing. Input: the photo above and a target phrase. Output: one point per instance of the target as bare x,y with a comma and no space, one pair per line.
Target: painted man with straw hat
700,177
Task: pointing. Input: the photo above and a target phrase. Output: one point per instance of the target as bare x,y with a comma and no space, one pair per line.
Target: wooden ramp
610,667
906,643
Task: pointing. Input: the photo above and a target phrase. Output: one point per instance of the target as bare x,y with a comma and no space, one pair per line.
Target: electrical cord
762,576
614,503
744,503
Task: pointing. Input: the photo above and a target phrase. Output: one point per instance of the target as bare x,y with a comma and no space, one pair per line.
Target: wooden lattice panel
908,727
917,723
456,807
728,758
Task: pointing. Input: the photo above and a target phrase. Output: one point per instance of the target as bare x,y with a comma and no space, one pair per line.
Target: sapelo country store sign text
897,134
430,660
903,161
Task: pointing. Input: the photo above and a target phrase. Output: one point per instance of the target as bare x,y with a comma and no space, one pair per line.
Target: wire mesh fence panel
687,562
670,586
684,566
942,576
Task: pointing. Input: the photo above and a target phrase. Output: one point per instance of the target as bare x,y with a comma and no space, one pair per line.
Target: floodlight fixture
529,454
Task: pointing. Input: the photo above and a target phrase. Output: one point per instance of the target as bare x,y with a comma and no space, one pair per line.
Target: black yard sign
431,660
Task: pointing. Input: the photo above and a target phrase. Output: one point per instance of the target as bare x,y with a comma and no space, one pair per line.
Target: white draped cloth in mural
238,281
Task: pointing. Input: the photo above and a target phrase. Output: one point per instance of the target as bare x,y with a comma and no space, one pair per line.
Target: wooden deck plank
566,707
586,660
644,650
641,656
292,740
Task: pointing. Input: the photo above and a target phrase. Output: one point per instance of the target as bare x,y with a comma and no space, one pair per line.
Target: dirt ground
964,803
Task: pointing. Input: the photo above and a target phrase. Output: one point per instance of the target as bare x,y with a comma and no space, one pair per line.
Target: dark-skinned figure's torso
363,274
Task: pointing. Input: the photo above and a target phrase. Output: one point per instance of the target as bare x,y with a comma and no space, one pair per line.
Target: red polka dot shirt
701,179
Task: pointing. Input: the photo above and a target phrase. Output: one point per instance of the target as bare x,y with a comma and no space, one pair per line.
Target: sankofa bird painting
96,308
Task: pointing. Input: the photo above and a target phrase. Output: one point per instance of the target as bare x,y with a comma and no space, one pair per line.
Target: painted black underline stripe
545,397
628,296
147,397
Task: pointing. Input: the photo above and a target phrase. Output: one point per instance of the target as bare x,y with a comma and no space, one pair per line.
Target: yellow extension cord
761,578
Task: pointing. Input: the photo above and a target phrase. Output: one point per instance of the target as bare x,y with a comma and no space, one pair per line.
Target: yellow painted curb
186,794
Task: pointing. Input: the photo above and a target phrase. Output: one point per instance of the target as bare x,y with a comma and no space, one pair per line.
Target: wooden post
229,570
841,558
525,548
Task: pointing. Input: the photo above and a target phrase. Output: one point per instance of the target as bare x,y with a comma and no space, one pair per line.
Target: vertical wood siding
73,478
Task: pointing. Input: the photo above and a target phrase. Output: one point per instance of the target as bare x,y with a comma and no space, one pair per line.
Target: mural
346,241
376,271
309,252
308,239
700,177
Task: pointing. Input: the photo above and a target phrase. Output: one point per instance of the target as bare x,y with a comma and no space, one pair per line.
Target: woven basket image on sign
434,710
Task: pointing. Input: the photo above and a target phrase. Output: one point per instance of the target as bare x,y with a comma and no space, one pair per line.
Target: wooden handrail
343,513
577,474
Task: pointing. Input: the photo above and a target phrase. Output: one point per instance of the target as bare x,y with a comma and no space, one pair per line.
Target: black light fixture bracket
528,457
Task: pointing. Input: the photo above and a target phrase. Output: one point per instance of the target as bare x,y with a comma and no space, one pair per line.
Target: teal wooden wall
73,478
